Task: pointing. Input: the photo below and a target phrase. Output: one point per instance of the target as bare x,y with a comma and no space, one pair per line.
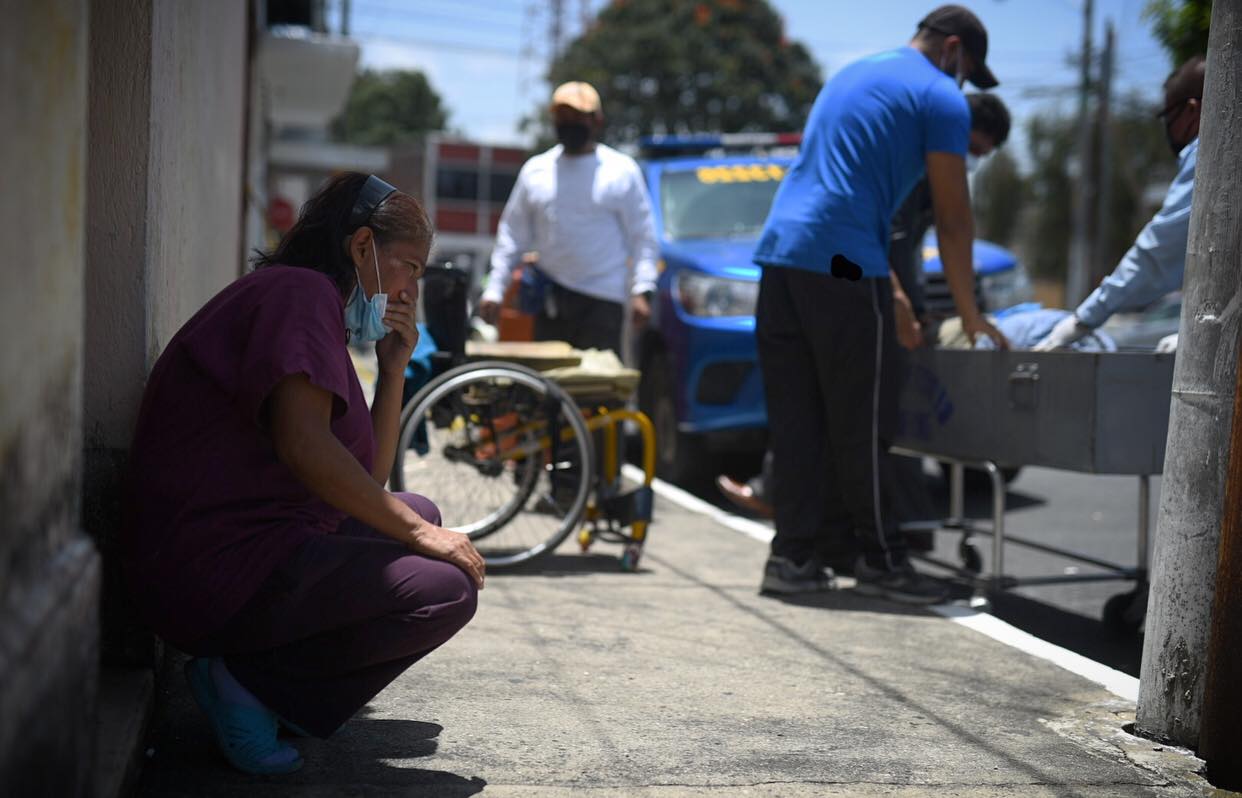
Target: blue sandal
245,735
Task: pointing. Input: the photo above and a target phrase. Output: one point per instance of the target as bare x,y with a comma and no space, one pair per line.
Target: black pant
825,344
584,321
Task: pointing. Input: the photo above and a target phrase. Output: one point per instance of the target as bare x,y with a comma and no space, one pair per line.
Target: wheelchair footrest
626,508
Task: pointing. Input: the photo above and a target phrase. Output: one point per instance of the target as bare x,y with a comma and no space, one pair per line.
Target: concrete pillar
49,573
168,97
1184,572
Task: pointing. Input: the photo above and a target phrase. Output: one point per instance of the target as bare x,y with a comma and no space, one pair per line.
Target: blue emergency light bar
701,142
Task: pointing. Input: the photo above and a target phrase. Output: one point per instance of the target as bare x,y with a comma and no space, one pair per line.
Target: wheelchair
513,459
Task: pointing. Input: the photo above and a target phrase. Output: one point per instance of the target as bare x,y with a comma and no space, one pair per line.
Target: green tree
389,107
999,194
1181,26
677,66
1141,169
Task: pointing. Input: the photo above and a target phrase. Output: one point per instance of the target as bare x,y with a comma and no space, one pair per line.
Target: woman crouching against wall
260,538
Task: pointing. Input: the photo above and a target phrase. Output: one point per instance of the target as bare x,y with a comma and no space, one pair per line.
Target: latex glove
1067,331
1167,343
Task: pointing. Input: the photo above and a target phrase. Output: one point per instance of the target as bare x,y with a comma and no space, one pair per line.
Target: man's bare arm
955,232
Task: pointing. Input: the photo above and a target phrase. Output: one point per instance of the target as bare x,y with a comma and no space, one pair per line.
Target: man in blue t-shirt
824,321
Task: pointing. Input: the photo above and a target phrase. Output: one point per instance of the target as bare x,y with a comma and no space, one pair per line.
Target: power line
464,24
438,44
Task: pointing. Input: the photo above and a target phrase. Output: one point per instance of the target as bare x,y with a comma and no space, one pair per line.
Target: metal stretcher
1096,413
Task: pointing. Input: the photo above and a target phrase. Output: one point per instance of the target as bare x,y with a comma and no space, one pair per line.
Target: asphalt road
1094,515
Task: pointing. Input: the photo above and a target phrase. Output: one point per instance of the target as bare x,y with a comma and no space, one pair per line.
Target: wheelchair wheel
505,455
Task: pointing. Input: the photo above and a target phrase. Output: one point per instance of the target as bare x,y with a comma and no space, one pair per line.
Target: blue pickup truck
701,384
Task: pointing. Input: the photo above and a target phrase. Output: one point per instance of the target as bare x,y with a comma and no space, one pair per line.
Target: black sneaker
782,575
903,584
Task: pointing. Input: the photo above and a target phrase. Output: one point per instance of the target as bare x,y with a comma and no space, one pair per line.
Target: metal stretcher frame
997,579
1097,413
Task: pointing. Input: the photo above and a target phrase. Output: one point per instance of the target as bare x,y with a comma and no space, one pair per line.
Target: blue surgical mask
364,318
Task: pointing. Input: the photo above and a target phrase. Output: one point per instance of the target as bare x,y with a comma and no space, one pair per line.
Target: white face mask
972,162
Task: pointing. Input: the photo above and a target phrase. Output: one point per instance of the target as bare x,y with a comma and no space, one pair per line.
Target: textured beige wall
49,577
42,165
199,93
168,100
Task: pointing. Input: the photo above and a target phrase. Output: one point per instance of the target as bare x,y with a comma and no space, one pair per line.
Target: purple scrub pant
340,620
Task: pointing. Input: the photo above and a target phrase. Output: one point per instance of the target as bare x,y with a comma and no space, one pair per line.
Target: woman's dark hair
319,238
990,116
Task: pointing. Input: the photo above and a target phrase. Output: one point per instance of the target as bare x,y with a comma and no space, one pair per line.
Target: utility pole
1220,736
556,28
1100,260
1080,242
1193,495
344,17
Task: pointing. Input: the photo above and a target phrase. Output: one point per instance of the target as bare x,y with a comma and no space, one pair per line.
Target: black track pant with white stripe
825,344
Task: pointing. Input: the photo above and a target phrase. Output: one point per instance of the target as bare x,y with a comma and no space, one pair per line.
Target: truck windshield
718,201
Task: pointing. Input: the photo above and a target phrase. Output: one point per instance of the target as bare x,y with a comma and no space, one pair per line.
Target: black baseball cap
953,20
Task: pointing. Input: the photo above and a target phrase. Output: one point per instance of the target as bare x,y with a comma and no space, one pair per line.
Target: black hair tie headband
370,197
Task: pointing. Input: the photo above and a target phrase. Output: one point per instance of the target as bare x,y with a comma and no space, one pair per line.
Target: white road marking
749,528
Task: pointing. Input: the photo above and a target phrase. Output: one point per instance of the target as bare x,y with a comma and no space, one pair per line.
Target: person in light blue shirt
1156,263
824,321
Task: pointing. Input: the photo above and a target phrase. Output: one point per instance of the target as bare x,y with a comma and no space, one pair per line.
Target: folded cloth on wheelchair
600,374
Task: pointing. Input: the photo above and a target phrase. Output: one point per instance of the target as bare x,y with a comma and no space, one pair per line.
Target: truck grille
939,301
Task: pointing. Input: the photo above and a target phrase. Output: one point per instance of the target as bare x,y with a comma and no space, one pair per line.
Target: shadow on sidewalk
902,694
363,750
846,600
182,759
1090,637
605,561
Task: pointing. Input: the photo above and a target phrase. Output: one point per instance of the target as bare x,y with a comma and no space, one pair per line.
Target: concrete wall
199,93
168,97
49,577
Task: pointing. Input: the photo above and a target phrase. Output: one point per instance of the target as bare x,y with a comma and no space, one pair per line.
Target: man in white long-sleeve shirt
583,207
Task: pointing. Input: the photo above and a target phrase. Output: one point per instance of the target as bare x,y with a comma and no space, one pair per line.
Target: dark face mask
1173,143
1176,141
573,135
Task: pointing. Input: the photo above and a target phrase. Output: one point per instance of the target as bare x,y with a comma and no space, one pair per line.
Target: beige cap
577,95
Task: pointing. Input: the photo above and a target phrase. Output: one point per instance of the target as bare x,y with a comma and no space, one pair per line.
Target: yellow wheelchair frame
478,443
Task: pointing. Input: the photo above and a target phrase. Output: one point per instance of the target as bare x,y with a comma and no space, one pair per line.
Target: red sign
280,214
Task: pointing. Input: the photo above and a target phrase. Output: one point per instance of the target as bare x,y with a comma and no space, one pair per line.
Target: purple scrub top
211,511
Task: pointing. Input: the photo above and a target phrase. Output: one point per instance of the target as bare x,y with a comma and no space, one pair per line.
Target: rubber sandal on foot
245,735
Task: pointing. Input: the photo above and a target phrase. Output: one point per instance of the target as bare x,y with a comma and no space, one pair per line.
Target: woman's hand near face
445,544
393,350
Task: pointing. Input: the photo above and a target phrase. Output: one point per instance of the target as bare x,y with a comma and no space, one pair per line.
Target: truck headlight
704,295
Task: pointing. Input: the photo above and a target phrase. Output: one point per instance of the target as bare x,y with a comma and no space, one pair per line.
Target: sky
487,58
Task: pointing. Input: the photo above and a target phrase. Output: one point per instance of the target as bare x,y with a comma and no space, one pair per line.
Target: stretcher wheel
971,559
1126,612
630,556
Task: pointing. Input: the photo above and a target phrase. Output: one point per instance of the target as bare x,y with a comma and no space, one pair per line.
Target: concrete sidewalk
681,680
